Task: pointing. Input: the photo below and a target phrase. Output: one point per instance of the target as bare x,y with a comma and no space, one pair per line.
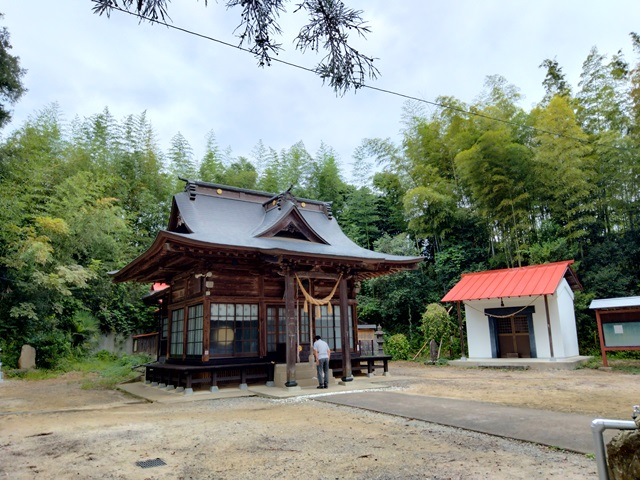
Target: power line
381,90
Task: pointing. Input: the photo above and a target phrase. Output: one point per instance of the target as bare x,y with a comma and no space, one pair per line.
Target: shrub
51,347
397,346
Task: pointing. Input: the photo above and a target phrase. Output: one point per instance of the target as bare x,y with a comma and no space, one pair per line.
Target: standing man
323,354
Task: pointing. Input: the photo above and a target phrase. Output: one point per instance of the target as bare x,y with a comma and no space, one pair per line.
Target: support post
603,349
344,331
546,308
292,329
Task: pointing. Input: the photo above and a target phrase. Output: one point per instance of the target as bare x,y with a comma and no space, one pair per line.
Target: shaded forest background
471,187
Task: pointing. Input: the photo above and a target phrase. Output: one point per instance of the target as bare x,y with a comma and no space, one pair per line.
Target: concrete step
306,375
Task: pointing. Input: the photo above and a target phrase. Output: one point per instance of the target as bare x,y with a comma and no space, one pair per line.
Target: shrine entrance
511,332
513,337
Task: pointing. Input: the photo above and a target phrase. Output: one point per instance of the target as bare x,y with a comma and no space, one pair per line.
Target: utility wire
381,90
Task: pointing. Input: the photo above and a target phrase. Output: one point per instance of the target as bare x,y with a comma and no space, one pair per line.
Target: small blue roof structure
610,303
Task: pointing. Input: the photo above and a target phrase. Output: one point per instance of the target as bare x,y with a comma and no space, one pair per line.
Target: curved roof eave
165,237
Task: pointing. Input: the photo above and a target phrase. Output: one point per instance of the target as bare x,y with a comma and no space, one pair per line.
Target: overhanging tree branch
343,66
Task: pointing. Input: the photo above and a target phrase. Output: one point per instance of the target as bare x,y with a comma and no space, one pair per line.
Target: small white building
519,313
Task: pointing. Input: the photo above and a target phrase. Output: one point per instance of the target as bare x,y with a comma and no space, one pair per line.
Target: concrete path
561,430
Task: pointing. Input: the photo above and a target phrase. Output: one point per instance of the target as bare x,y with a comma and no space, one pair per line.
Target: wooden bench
373,362
358,364
208,375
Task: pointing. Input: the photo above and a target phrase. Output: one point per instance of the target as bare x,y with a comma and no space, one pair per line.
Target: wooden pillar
546,308
292,329
344,331
603,350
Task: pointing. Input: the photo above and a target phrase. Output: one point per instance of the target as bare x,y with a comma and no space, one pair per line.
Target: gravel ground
54,429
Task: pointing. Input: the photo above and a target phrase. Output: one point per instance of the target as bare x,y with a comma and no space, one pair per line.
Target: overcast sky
187,84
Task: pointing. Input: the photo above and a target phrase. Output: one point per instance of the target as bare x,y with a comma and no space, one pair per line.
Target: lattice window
195,326
520,324
234,329
177,332
328,327
504,325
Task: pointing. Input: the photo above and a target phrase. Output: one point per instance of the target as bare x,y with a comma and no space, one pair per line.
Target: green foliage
51,347
11,88
397,346
623,362
103,371
396,301
111,370
436,324
586,325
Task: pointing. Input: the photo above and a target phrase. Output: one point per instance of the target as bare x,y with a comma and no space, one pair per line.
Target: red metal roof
512,282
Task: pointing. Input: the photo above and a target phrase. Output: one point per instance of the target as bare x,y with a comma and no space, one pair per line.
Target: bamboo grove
472,186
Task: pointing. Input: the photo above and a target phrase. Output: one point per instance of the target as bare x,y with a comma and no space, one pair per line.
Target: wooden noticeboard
619,329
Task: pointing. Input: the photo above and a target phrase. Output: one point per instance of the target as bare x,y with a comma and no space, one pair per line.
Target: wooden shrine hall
249,279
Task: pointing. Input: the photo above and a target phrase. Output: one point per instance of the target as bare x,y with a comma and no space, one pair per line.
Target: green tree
555,81
437,325
11,87
211,167
390,203
601,101
496,170
359,217
63,230
296,166
397,301
325,181
181,162
271,178
241,173
563,171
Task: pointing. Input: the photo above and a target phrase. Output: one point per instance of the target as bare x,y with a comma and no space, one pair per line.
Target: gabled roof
211,217
513,282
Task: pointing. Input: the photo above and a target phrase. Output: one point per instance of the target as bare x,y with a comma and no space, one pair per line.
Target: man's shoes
320,386
326,386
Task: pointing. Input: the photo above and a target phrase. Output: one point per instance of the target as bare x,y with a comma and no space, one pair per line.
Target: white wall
567,316
114,343
478,339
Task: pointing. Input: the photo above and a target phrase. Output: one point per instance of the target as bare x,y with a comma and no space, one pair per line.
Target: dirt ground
55,429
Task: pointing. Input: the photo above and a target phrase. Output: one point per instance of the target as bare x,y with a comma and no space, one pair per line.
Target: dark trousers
323,372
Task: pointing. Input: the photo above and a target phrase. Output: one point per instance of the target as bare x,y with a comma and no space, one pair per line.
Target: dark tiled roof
239,223
228,218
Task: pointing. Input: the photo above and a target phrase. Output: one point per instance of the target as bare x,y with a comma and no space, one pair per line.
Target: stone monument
27,358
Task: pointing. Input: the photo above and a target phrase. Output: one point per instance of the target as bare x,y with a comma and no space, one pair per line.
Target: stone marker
623,457
27,358
433,351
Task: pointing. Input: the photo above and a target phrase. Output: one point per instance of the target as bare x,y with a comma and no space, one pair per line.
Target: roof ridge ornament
277,199
190,188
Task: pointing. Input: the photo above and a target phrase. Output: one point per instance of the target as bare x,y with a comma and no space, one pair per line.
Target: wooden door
513,337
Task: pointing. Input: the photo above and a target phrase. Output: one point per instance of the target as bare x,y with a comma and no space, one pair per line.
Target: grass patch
626,366
103,370
32,375
109,372
623,365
